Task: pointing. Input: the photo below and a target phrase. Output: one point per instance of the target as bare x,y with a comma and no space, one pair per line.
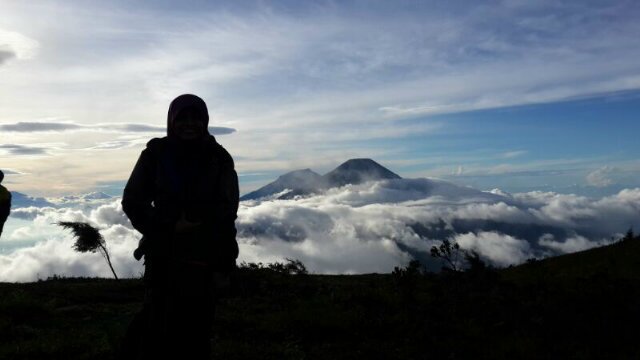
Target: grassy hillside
579,306
620,260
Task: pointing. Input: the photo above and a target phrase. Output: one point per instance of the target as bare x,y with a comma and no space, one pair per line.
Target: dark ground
579,306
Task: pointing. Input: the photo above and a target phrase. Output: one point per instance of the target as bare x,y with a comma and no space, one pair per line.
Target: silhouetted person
5,203
183,197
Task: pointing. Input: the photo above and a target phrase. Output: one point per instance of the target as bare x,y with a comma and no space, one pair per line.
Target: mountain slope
620,260
304,181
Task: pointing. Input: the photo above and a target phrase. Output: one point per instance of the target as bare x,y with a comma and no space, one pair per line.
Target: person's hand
183,225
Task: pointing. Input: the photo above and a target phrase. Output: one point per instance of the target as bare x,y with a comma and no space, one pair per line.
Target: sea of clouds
364,228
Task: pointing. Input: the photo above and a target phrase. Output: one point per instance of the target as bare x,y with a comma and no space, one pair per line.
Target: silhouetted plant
251,265
414,268
629,235
291,267
407,278
88,239
474,261
451,253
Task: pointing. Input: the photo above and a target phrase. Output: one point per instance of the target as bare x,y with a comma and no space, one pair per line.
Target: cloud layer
15,149
354,229
58,126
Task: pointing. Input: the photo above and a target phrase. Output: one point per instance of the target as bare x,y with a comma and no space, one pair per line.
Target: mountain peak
356,171
298,173
306,181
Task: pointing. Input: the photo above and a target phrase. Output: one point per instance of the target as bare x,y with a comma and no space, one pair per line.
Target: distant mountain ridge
19,200
299,181
306,181
89,197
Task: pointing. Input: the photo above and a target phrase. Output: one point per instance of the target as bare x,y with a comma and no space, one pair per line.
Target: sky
519,95
513,123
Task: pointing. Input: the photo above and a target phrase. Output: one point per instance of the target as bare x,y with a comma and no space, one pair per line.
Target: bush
290,267
414,268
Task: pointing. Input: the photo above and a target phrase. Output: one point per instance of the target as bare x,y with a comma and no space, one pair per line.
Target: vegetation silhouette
88,239
581,305
289,267
451,253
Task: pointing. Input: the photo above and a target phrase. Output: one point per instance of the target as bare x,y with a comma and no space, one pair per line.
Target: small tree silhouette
88,239
629,235
450,253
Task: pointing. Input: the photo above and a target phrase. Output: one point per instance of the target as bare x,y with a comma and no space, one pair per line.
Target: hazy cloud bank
402,218
354,229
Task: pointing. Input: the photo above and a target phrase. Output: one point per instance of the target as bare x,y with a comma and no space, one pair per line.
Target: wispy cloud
601,177
17,150
55,126
12,171
514,154
37,126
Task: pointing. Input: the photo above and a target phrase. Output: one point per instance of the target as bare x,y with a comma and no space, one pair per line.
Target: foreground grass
581,306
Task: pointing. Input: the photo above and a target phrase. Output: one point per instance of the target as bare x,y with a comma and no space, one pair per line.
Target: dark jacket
197,179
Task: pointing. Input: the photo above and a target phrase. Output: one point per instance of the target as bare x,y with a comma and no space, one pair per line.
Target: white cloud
18,45
504,228
571,244
370,227
601,177
499,248
50,251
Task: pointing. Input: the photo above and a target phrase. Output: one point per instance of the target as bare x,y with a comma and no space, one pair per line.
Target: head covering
181,103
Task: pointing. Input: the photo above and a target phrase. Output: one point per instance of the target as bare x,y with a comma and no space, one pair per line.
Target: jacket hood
183,102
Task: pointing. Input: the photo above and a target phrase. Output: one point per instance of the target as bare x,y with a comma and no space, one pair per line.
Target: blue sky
553,146
519,95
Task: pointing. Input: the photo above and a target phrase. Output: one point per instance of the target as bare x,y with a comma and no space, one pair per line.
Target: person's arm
231,194
5,204
138,194
230,198
5,209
